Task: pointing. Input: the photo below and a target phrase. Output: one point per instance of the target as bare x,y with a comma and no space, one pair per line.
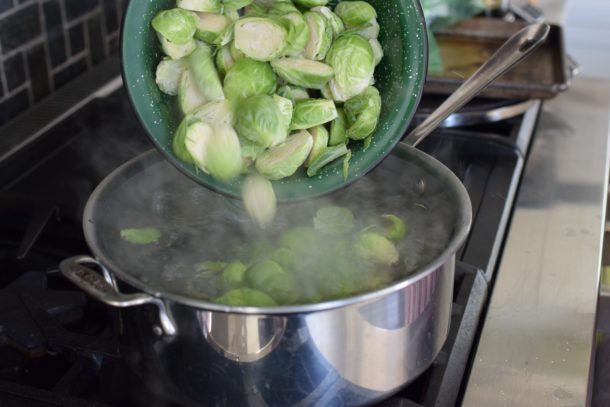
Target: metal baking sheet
465,46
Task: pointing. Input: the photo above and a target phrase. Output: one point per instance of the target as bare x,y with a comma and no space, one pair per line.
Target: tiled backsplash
46,43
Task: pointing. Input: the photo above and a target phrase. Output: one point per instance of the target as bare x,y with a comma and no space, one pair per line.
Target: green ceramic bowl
399,77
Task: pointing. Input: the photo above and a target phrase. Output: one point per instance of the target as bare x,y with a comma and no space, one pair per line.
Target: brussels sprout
175,25
210,266
283,160
311,3
204,73
269,277
312,112
367,143
246,297
260,119
250,151
351,56
218,113
232,15
235,53
280,8
210,26
208,6
293,93
259,199
261,39
333,220
168,75
355,13
254,10
362,113
397,228
301,239
335,22
329,155
320,142
298,33
179,140
326,93
369,30
320,36
303,72
285,257
376,248
235,4
198,135
176,51
286,109
346,161
247,78
377,50
223,154
189,96
141,236
224,60
234,274
338,129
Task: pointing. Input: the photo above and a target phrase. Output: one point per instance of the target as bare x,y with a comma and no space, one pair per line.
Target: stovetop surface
58,347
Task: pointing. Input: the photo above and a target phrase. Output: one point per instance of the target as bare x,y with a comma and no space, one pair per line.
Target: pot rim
462,227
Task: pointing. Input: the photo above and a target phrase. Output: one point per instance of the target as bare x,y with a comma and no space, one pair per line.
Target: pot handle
76,270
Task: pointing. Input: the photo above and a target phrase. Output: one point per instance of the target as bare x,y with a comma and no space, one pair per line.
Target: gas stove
59,347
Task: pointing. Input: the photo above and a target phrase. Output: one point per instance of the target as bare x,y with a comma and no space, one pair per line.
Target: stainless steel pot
352,351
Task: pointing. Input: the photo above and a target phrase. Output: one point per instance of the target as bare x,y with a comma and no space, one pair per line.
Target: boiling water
199,225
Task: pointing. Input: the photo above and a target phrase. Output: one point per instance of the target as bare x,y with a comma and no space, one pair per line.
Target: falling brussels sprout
293,93
260,119
376,248
362,113
197,138
218,113
355,13
335,22
320,36
175,25
303,72
205,76
141,235
351,57
333,220
269,277
224,60
338,129
260,38
259,199
247,78
298,33
179,140
208,6
223,154
246,297
320,142
328,156
284,159
235,4
211,26
397,229
233,275
168,75
313,112
176,51
311,3
189,95
377,51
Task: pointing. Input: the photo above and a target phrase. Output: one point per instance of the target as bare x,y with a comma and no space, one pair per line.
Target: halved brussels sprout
303,72
235,53
246,297
259,119
362,113
298,33
175,25
335,22
260,38
286,109
351,56
218,113
189,96
283,160
204,73
259,199
179,140
333,220
279,8
293,93
329,155
248,77
255,10
320,36
376,248
355,13
235,4
377,50
320,142
311,3
326,93
223,154
198,135
141,235
167,75
176,51
346,161
338,129
397,228
207,6
250,151
210,26
224,60
369,30
232,15
234,275
313,112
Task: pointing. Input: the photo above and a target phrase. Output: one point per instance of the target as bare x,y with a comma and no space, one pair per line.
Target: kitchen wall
44,44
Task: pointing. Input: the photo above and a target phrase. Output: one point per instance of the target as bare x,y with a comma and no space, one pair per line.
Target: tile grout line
23,47
104,32
84,17
64,26
16,8
69,61
47,51
87,44
28,76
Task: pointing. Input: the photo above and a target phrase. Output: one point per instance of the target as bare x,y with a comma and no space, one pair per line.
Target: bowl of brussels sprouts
309,94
